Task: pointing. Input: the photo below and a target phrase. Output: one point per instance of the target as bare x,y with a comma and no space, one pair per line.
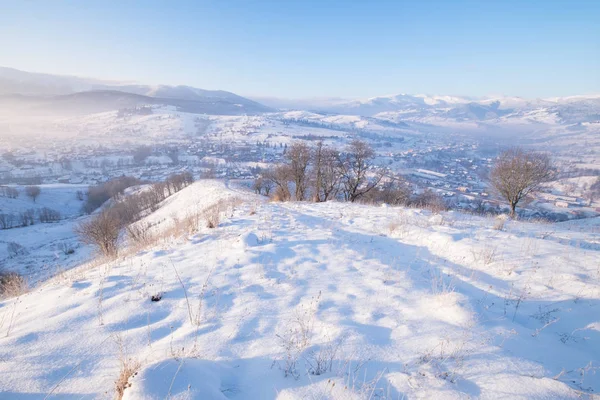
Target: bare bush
517,173
79,195
14,249
321,360
395,191
66,248
103,232
429,200
12,284
47,215
191,223
27,217
212,215
139,234
33,192
7,191
7,221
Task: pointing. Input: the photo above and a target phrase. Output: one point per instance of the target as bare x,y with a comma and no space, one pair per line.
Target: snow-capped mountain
422,108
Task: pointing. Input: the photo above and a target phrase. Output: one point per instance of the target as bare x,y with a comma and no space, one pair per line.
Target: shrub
27,217
33,192
47,215
140,235
12,284
7,221
66,248
212,216
103,232
429,200
98,195
14,249
11,193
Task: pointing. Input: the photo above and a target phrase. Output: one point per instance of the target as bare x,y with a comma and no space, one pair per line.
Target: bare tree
103,231
517,173
394,191
259,185
298,155
355,164
280,176
33,192
326,172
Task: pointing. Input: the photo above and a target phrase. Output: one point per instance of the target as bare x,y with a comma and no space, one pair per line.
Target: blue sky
314,48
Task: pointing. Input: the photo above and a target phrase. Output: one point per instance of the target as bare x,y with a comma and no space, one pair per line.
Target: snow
390,302
44,243
59,197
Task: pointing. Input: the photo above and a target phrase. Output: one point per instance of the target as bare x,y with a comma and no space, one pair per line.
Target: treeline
28,217
104,230
115,189
320,173
10,192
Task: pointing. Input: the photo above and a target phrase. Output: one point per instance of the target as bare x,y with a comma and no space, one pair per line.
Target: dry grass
129,368
12,284
212,215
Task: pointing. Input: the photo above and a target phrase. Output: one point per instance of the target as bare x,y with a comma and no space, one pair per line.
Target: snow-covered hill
325,301
421,108
34,93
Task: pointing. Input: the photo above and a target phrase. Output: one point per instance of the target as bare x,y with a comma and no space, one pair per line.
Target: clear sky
314,48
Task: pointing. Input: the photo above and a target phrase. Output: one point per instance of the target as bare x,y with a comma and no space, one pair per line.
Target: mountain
14,81
425,108
36,92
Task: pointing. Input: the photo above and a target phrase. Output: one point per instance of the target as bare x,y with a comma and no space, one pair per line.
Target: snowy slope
352,301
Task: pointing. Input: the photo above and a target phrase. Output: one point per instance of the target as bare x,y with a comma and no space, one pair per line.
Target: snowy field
319,301
43,247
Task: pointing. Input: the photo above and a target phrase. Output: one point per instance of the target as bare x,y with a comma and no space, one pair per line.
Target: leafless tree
355,164
298,156
47,215
259,185
517,173
103,231
6,220
33,192
280,175
27,217
11,193
326,172
394,191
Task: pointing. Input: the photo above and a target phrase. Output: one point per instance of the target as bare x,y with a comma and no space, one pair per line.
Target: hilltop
324,301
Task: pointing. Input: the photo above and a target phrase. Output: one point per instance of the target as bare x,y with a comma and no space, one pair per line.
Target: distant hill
44,93
424,108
